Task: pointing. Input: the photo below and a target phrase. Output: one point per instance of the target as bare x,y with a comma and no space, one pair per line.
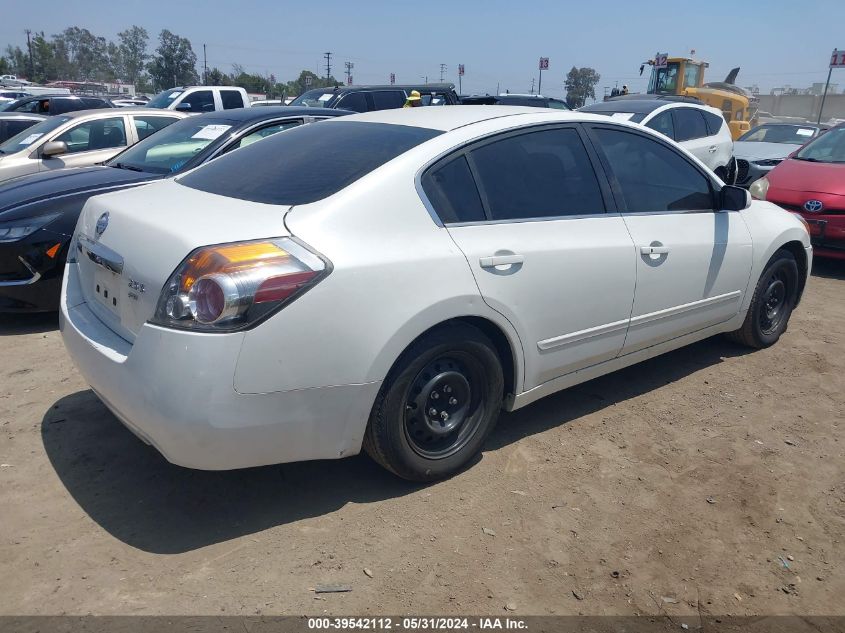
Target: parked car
40,211
50,105
370,98
355,283
761,149
78,139
200,99
7,96
534,101
268,102
12,123
698,128
811,182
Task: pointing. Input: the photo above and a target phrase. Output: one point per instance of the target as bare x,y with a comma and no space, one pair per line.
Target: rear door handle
500,260
654,250
712,149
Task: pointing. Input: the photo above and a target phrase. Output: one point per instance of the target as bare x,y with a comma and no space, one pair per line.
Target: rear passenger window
652,176
689,124
535,175
663,123
714,123
388,99
146,125
452,192
231,99
355,101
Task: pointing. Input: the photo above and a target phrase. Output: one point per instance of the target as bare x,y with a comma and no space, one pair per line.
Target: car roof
257,114
57,96
430,87
639,106
76,114
448,118
22,115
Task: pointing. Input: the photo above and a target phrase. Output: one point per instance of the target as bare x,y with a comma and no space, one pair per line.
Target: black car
55,104
38,213
12,123
532,101
370,98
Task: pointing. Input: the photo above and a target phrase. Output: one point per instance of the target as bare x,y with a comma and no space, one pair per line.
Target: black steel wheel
771,306
438,404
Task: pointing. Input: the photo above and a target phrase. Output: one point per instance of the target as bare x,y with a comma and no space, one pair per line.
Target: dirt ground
710,480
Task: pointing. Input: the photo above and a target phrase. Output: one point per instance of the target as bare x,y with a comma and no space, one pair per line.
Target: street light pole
824,96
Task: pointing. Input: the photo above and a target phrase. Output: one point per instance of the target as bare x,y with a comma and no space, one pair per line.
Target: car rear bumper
174,389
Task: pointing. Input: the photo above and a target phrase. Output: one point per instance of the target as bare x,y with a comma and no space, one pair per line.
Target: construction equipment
684,76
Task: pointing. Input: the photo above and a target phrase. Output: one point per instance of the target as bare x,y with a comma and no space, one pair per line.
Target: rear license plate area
107,290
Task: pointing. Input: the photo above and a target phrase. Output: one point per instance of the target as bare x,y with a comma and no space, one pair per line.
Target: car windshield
170,149
791,134
165,98
320,98
307,163
26,138
827,148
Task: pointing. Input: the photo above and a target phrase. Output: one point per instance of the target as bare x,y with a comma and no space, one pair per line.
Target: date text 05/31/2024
416,624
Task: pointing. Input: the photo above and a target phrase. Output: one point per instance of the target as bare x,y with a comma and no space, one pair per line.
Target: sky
499,43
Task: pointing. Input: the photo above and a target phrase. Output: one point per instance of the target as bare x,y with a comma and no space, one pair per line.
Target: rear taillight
233,286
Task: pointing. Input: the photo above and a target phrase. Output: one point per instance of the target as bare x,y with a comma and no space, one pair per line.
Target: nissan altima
392,280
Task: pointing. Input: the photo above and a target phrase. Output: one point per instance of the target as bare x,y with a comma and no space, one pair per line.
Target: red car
811,182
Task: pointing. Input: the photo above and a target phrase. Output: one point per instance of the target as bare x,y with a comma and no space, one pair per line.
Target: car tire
438,405
774,298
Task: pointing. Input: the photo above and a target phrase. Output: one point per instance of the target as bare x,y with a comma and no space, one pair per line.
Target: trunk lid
124,264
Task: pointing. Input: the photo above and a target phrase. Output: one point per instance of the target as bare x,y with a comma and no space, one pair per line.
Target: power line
328,57
442,72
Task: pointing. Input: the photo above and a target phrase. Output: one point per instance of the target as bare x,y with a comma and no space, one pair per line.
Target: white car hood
150,230
758,150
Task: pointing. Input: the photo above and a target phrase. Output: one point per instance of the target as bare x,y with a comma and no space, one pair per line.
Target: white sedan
399,277
696,127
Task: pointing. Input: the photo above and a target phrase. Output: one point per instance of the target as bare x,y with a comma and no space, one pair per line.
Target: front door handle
500,260
654,250
712,149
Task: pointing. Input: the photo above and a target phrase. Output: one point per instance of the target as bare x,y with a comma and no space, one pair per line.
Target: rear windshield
319,98
307,163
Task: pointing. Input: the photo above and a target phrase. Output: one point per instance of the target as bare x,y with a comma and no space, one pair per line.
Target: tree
297,86
87,54
174,63
580,84
133,53
18,61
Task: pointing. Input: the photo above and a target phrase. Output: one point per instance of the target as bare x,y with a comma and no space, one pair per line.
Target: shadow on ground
146,502
36,323
829,268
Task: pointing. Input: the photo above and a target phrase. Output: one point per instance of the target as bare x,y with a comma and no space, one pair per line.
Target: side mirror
733,198
54,148
183,107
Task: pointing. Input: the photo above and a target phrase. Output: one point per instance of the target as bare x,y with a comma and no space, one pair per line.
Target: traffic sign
661,60
308,79
544,63
837,58
460,70
392,78
349,80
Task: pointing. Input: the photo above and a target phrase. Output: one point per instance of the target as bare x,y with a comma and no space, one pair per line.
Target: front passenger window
663,123
93,135
653,177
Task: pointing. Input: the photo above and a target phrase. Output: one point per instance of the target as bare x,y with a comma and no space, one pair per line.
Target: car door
693,260
531,215
691,132
89,142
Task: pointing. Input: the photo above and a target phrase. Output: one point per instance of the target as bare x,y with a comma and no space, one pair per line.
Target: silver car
79,139
760,150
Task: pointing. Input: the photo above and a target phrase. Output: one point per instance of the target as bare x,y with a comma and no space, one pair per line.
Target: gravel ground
710,480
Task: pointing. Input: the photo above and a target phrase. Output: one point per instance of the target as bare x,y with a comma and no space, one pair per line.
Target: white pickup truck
200,99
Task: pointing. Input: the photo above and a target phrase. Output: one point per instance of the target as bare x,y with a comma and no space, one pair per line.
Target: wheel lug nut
432,412
453,401
444,416
434,395
447,389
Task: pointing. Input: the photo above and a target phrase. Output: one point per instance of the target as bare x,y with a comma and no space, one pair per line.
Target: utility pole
532,85
29,46
328,57
204,67
442,72
349,67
